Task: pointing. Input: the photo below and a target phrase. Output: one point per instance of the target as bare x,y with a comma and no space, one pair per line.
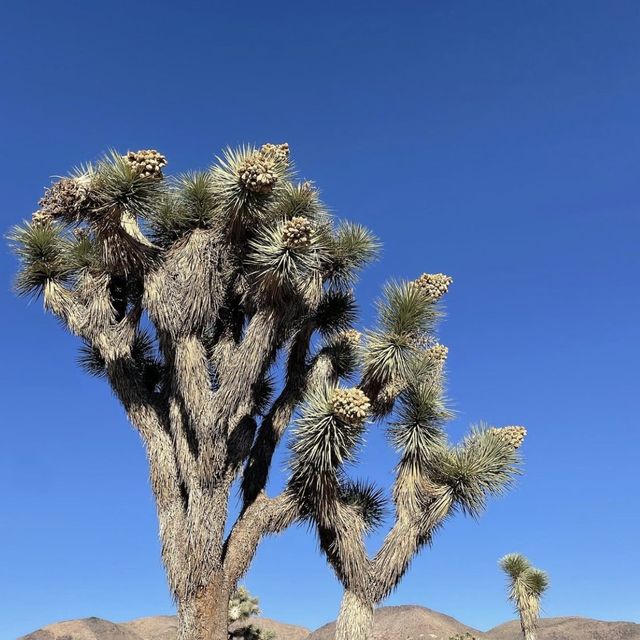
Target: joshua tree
188,294
526,587
242,606
401,378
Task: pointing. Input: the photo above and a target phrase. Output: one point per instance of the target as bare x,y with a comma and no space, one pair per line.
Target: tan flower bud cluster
350,336
438,353
296,232
146,163
513,436
351,406
63,199
278,152
258,171
257,174
435,285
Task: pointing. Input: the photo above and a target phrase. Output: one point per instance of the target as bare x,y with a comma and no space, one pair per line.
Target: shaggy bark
355,620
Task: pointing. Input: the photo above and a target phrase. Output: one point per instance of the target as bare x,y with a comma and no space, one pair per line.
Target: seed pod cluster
438,353
257,174
65,199
146,163
351,406
350,336
296,232
512,435
277,152
434,285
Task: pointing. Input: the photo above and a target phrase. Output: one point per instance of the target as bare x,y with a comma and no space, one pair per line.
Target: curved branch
263,517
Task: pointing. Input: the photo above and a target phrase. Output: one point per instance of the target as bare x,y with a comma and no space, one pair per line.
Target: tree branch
264,516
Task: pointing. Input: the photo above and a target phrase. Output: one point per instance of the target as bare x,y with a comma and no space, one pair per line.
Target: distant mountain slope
572,628
391,623
152,628
409,622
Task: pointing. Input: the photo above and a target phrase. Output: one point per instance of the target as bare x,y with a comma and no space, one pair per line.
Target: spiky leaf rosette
420,416
403,313
147,365
352,247
514,564
336,312
278,270
327,435
366,500
248,182
481,466
190,202
343,352
42,250
120,186
299,199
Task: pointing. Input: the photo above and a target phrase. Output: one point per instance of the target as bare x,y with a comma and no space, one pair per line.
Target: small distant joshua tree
187,293
243,606
526,588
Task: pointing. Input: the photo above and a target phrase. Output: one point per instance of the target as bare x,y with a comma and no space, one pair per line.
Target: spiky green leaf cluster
323,442
352,247
345,356
404,310
276,270
299,199
188,203
420,415
336,311
147,365
367,500
481,466
237,204
321,445
118,186
42,250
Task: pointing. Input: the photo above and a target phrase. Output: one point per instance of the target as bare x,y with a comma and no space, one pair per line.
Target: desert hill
406,623
572,628
391,623
152,628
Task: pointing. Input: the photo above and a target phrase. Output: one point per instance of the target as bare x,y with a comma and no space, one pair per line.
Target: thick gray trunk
355,621
205,616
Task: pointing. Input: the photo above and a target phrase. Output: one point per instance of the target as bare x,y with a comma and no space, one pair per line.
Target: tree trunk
355,621
205,616
528,632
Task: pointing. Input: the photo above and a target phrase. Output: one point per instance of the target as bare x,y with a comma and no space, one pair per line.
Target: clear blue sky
495,140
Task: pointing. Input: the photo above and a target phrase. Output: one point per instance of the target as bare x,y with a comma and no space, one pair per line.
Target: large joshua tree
526,586
193,297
